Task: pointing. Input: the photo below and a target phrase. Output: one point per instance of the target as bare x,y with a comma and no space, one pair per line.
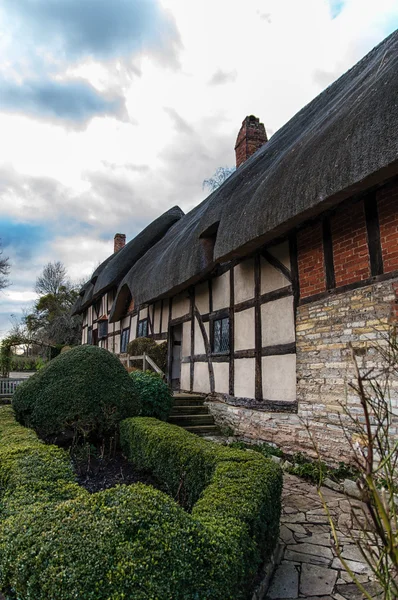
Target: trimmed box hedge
236,495
58,541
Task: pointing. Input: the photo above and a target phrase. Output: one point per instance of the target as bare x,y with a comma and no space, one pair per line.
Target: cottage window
90,336
102,329
142,328
125,340
221,336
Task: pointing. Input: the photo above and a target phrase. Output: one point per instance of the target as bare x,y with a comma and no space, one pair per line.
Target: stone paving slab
310,568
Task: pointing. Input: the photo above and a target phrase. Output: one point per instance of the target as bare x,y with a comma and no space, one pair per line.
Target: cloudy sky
111,111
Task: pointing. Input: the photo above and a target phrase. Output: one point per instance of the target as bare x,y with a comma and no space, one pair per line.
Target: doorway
175,356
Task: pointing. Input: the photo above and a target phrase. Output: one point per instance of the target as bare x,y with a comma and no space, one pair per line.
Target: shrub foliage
58,541
155,395
235,495
84,391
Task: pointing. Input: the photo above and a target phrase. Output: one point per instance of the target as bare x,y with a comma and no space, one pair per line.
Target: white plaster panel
244,330
186,339
165,316
244,281
221,377
116,344
244,369
277,322
220,286
143,314
156,318
90,315
84,335
271,278
133,328
279,377
199,345
180,306
281,252
110,328
202,298
201,381
124,323
185,376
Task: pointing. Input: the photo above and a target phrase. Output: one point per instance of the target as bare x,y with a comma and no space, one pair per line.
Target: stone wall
324,330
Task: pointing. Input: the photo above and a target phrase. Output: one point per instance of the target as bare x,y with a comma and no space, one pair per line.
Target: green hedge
83,392
155,395
236,495
58,541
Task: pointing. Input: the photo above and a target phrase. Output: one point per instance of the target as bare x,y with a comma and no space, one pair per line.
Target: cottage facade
260,290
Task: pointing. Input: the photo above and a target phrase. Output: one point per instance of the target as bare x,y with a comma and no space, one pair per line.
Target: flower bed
58,541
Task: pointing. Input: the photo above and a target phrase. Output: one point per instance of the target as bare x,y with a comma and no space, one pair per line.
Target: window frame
140,328
223,329
123,341
102,329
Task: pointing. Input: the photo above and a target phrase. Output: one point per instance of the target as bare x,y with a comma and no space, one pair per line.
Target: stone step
203,429
189,410
191,420
188,400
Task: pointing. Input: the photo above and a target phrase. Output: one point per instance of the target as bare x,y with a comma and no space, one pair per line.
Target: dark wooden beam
328,254
277,264
373,231
231,331
257,328
192,313
276,294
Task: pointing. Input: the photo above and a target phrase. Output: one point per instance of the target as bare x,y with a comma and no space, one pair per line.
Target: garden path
309,568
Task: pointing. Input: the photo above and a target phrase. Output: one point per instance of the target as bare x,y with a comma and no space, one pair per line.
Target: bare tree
221,174
4,269
52,280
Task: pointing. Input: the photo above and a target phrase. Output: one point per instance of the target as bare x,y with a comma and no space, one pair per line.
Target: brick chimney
119,241
251,137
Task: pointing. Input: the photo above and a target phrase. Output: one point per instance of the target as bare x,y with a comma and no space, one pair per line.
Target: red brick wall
350,245
310,260
387,198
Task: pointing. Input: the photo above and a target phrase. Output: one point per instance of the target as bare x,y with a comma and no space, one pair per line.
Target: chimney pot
119,241
251,137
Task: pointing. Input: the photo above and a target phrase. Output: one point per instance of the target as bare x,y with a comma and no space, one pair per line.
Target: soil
96,473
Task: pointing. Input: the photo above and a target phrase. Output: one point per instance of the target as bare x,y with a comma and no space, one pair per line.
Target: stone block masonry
324,330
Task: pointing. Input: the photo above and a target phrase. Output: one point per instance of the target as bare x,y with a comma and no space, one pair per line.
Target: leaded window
125,340
221,336
102,329
142,328
90,336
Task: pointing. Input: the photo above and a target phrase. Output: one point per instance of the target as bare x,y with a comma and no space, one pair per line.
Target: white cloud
268,58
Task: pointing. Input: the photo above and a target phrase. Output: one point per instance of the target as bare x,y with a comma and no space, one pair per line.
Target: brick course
387,198
310,260
350,245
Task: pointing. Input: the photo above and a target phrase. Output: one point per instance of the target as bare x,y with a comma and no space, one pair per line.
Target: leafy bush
265,449
158,352
84,391
58,541
156,396
235,495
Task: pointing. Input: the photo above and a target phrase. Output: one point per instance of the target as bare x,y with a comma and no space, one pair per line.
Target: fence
146,361
7,386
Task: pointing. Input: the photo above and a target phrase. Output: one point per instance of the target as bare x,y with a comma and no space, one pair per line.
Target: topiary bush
83,392
158,352
156,396
59,541
234,494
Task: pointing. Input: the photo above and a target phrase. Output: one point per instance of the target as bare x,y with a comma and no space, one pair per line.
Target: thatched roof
339,144
109,273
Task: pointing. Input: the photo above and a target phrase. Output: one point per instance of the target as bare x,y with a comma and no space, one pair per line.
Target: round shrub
85,391
155,395
158,352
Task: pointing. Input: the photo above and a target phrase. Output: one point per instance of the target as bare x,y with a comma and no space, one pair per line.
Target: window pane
225,335
217,336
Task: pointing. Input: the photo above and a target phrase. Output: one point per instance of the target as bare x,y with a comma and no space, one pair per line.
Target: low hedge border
58,541
236,495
